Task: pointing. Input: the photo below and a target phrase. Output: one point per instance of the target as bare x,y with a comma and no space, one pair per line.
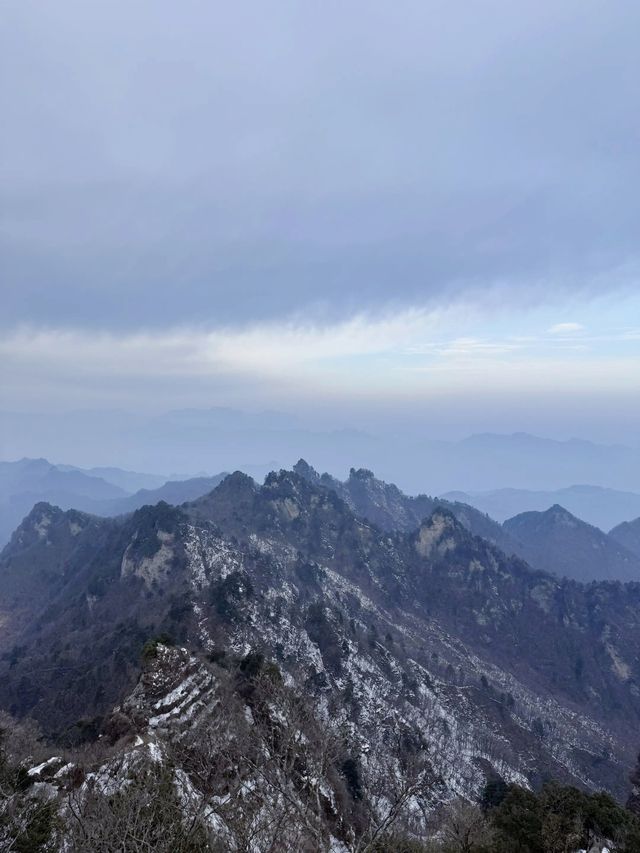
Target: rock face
430,636
627,534
558,542
389,508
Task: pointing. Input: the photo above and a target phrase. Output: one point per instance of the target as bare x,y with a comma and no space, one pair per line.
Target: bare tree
28,819
464,828
394,787
144,815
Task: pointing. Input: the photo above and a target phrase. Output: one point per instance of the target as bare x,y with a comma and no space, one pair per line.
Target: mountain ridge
229,440
433,627
390,508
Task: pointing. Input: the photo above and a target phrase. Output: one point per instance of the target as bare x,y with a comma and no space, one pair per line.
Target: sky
378,214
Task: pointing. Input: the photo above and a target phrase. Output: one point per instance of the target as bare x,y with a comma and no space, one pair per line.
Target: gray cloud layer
217,163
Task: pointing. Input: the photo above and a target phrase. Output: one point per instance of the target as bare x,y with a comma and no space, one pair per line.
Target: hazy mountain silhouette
628,535
556,541
596,505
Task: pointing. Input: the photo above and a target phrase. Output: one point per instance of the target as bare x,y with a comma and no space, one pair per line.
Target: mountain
385,505
627,534
601,507
225,438
556,541
207,752
31,481
40,476
172,492
24,483
429,640
230,439
481,462
128,481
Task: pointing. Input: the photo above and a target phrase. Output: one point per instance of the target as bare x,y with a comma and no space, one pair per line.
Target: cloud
275,350
407,354
566,329
360,160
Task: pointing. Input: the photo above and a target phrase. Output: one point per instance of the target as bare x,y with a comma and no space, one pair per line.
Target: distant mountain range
220,438
128,481
24,483
601,507
227,439
30,481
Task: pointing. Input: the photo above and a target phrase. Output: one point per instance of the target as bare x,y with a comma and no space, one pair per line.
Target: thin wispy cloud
413,352
566,329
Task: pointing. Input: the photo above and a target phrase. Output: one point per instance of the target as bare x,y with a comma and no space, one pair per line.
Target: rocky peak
237,488
389,508
289,481
42,516
560,515
361,474
233,498
161,516
306,471
46,524
236,483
